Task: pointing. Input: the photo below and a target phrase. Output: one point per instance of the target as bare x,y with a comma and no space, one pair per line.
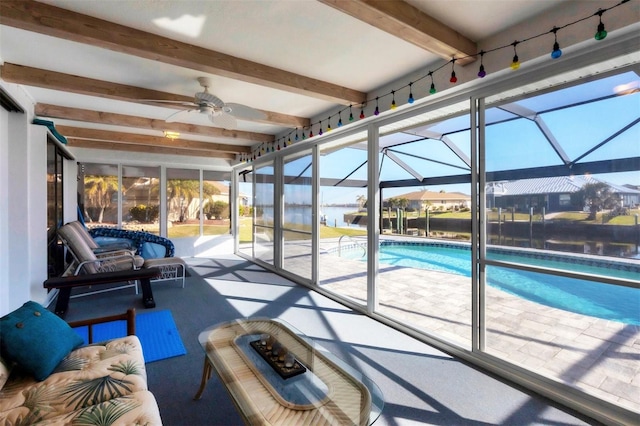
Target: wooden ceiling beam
57,22
114,119
122,138
411,24
46,79
115,146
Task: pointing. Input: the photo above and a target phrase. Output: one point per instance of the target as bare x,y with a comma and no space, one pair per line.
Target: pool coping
605,262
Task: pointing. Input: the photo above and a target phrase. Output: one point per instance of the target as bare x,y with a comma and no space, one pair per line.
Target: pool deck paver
598,356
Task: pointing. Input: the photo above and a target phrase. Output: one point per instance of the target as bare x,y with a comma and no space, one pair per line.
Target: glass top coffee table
275,375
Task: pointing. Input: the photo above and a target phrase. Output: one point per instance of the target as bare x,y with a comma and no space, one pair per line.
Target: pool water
584,297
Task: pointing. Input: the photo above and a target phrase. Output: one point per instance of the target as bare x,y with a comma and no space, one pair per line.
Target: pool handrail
354,241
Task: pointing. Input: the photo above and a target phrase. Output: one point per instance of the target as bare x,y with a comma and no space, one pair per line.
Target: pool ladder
354,241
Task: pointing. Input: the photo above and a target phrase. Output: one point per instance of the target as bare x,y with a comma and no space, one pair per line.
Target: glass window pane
245,212
183,203
343,201
298,214
100,195
141,198
579,219
264,214
216,202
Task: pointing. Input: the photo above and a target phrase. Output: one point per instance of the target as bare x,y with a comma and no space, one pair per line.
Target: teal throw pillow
36,339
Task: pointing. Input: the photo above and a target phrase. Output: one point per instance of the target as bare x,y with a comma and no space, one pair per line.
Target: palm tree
183,190
596,196
98,192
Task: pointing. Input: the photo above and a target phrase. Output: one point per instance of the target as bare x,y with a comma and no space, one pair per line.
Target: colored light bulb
310,133
453,78
361,114
340,121
393,104
556,53
515,63
289,141
410,100
377,111
601,34
320,132
481,71
432,90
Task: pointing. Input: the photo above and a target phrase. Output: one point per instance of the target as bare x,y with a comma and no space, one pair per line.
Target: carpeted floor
421,385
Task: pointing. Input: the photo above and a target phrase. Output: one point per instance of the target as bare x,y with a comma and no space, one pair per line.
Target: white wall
23,188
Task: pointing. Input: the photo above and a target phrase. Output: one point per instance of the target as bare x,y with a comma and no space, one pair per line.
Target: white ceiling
304,37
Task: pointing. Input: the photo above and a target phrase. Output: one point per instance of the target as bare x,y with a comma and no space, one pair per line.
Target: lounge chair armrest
105,260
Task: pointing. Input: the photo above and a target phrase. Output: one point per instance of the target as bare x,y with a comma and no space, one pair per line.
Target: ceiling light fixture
171,135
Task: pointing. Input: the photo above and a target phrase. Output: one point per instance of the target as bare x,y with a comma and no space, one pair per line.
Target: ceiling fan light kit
171,135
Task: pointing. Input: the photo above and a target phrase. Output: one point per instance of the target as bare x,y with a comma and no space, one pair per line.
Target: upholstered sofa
103,383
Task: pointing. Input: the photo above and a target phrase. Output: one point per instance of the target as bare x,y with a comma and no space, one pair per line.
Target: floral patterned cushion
97,382
5,370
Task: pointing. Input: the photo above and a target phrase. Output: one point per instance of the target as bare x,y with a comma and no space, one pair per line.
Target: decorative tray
287,369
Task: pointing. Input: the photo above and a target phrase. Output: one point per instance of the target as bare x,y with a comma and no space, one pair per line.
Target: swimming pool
584,297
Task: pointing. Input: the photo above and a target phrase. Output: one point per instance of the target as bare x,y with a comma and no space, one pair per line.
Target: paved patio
598,356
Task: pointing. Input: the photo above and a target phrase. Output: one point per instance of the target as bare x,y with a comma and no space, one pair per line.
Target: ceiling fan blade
169,103
174,116
224,120
244,111
208,98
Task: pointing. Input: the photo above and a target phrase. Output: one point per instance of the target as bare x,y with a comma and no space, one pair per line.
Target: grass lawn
246,232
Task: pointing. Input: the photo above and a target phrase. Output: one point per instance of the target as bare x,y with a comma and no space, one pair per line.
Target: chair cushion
36,339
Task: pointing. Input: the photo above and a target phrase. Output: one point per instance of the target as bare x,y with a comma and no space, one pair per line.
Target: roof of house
550,185
425,195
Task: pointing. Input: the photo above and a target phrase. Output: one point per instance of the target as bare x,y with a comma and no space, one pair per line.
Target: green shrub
145,214
216,210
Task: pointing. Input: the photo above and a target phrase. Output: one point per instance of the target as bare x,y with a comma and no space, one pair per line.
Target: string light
515,63
453,78
432,90
556,52
600,32
481,71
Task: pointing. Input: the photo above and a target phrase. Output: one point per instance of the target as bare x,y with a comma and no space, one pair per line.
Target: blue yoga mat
157,332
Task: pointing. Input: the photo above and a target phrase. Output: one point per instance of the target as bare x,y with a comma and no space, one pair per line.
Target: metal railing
354,241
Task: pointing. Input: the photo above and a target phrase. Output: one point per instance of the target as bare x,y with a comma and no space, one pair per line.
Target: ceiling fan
220,113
